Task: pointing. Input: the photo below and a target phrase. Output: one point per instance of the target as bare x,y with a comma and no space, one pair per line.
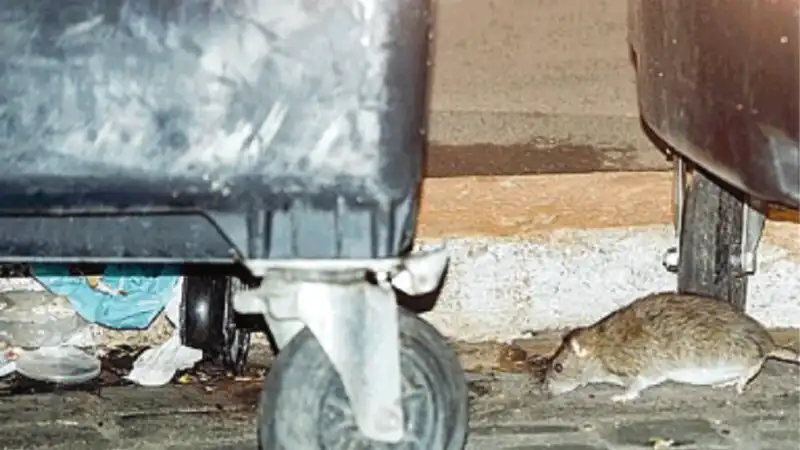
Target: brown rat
665,337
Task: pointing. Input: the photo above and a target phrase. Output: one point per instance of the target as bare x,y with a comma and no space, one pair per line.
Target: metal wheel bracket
753,221
355,322
671,258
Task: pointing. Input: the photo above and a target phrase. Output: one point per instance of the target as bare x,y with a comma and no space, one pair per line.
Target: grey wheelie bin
283,138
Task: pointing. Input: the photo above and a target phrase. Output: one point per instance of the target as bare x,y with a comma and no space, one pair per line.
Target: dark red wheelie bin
719,88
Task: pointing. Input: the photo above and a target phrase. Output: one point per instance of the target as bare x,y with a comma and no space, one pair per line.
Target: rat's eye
558,367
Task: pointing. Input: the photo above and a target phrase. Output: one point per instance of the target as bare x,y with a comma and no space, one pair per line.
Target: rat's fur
665,337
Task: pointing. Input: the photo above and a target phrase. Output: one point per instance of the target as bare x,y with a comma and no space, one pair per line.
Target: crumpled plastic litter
51,332
63,364
40,319
8,364
125,297
156,366
54,326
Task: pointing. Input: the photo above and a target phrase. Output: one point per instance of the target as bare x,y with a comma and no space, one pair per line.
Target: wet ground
208,408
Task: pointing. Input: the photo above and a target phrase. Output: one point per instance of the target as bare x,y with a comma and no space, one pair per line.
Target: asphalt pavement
508,413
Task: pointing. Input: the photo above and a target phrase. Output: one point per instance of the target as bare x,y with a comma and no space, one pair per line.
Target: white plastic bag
156,366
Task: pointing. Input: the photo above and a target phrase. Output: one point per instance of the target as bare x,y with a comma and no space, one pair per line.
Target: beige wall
507,71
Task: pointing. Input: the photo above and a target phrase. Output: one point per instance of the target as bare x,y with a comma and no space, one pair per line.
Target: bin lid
64,365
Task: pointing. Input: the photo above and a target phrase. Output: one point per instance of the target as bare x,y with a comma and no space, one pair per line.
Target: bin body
719,82
172,131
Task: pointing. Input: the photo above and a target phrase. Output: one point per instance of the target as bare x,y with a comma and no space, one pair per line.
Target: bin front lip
115,194
775,180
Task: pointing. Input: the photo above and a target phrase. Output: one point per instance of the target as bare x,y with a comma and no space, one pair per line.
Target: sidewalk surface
507,410
764,418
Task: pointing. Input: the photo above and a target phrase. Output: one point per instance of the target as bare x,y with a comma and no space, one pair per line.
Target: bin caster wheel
304,406
207,321
711,237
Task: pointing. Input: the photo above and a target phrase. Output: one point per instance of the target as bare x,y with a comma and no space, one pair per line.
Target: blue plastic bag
124,297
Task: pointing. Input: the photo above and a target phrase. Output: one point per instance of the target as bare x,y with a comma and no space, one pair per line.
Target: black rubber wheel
304,406
208,320
711,236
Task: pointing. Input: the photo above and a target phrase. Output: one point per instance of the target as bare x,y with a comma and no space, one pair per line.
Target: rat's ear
572,339
578,349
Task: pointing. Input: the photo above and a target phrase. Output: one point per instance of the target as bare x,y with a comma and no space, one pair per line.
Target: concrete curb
498,287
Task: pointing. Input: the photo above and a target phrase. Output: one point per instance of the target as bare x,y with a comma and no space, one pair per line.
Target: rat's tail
785,354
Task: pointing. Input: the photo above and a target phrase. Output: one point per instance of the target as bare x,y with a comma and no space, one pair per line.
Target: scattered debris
512,358
157,366
478,388
119,296
661,442
117,362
